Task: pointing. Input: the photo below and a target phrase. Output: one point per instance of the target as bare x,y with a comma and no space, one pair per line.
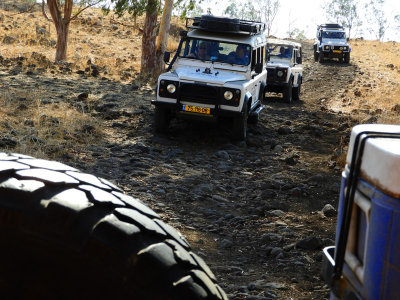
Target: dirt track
251,209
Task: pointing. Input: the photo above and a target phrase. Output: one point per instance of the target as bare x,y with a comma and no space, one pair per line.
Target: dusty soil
252,209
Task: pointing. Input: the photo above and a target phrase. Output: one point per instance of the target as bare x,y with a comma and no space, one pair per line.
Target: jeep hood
277,64
334,42
215,76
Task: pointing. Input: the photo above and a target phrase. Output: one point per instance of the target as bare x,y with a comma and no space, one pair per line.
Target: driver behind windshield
240,56
201,52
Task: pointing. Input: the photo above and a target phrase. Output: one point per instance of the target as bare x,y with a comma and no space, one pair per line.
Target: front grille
198,93
271,75
338,48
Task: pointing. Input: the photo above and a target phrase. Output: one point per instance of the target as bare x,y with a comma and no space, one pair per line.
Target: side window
262,55
253,58
259,55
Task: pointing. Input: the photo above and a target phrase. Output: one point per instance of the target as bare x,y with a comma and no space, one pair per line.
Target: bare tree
61,16
269,10
291,29
152,53
162,39
243,10
148,62
378,23
345,12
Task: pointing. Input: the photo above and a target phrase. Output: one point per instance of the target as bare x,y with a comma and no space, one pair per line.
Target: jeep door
258,80
297,67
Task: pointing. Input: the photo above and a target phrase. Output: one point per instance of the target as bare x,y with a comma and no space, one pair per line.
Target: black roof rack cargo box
221,24
330,26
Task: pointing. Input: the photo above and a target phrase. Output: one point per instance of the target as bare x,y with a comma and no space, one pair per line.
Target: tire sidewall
297,91
161,119
288,94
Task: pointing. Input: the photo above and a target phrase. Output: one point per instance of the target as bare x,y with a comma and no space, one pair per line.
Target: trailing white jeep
219,70
285,70
331,42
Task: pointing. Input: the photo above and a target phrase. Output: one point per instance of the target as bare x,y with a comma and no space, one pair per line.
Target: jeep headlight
171,88
279,73
341,48
228,95
326,47
168,88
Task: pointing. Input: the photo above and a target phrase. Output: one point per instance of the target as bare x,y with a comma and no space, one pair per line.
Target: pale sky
307,14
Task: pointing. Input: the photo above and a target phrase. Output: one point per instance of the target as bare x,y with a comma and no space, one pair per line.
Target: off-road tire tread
48,208
296,92
240,127
161,120
288,92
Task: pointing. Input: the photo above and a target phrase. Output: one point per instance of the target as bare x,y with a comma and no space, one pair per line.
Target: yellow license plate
196,109
337,51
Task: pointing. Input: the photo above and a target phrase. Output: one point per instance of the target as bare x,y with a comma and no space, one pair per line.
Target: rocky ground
253,209
258,211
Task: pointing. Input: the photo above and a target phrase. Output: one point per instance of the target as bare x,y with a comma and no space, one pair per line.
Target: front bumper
276,87
334,53
176,109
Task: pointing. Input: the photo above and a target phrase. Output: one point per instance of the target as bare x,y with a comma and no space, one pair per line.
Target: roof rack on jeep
331,26
222,24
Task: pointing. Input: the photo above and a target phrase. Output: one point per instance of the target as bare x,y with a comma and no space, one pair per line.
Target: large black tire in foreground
70,235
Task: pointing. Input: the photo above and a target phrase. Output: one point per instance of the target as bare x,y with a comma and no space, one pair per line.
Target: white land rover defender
285,70
331,42
219,71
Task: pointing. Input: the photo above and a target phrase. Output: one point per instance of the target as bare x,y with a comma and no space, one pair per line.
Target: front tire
287,93
296,92
316,55
240,127
161,119
347,58
70,235
321,57
253,118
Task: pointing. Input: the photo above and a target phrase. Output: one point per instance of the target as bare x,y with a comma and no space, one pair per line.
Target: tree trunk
148,61
62,40
61,20
163,34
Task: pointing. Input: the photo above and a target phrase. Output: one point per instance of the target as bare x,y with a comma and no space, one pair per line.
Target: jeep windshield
333,35
209,50
280,51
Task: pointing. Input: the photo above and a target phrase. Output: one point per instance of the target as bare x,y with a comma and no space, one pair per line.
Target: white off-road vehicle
285,70
331,42
218,73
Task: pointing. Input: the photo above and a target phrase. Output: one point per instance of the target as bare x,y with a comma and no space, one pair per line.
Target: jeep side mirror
167,56
258,68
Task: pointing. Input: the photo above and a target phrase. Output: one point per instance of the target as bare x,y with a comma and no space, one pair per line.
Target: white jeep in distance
285,70
331,42
219,70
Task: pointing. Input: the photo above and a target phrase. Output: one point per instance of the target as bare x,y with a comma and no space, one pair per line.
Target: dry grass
376,88
51,131
111,43
48,131
95,37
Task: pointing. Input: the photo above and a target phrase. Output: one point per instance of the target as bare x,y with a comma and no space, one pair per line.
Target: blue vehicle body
365,261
